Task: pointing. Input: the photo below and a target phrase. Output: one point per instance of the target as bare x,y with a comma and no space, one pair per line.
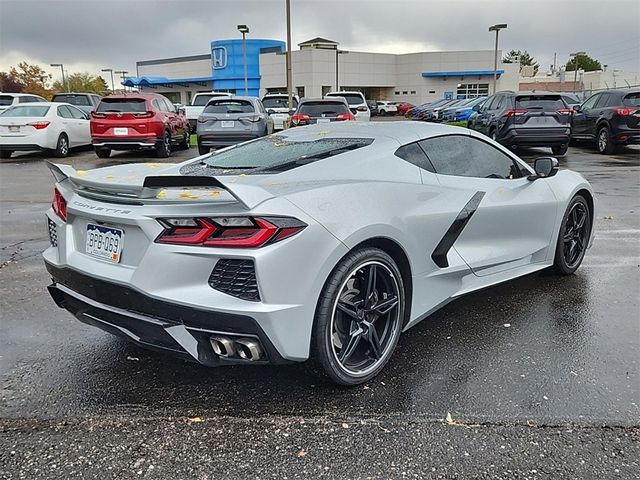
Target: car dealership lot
540,375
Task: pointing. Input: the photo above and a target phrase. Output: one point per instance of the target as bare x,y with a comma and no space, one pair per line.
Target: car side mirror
476,108
544,167
577,108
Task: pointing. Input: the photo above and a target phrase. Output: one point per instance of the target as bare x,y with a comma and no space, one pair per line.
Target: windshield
318,109
278,102
122,105
82,100
632,100
546,103
6,100
276,153
25,111
351,98
229,106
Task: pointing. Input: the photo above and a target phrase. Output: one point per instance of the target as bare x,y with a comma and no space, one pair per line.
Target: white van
357,104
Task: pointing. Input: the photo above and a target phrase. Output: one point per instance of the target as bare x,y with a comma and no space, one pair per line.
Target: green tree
82,82
523,57
584,62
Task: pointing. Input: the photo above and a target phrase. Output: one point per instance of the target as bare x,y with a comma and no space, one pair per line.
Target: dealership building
320,66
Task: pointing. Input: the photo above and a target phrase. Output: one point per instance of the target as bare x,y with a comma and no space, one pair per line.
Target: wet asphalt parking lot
540,375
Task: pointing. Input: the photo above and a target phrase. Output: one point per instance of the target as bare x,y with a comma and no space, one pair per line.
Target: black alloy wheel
574,236
164,149
359,317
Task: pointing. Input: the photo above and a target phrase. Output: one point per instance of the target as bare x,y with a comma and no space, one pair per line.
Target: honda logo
219,57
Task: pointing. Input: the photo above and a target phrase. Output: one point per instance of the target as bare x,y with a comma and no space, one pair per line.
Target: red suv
136,121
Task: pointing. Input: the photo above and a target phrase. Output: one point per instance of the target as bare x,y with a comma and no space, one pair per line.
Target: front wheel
573,237
359,317
560,149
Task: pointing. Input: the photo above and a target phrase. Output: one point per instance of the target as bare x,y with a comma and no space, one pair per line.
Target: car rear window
631,100
122,105
6,100
545,103
318,109
229,106
72,99
278,102
25,111
275,154
351,98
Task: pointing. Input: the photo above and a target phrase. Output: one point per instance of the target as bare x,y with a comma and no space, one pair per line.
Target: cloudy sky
87,35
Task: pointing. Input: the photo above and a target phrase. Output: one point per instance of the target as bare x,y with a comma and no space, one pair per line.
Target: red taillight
228,232
624,112
298,118
565,111
345,116
59,205
144,115
39,125
515,112
98,115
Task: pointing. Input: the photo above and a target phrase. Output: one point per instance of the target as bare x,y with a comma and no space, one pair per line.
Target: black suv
609,118
531,119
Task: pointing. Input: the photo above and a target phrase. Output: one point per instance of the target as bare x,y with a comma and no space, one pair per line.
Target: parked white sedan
43,126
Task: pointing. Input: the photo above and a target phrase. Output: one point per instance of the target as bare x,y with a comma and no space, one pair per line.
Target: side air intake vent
236,278
53,232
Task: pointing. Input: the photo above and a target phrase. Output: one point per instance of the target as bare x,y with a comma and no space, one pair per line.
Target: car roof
314,99
21,94
235,97
133,95
345,91
75,93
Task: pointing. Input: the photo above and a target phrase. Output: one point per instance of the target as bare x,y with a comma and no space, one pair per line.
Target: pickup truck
198,102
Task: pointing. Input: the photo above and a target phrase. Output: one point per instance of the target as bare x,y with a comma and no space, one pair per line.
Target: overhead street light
110,70
64,82
243,29
496,28
575,66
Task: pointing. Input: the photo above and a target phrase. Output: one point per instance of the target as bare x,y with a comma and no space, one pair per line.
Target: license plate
14,129
324,120
121,131
227,123
540,120
104,242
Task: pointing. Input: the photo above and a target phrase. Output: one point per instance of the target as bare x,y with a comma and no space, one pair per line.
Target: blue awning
153,80
462,73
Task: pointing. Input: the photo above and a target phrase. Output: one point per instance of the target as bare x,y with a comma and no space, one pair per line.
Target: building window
326,89
413,92
396,93
432,92
472,90
405,92
300,91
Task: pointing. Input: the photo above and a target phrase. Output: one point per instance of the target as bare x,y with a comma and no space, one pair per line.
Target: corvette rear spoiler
151,189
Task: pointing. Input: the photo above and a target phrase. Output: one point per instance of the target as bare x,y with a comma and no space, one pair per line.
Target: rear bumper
17,147
182,331
225,140
116,143
538,138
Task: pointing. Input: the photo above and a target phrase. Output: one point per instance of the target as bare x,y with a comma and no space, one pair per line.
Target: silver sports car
320,243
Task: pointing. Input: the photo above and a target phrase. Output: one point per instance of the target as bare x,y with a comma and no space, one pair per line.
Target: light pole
575,65
110,70
288,59
496,28
338,52
64,82
122,74
243,29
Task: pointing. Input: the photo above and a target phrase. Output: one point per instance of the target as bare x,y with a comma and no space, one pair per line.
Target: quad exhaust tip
244,348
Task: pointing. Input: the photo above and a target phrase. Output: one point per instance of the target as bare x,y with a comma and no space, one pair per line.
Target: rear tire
103,152
62,147
604,142
164,149
5,154
358,318
573,237
560,150
203,150
184,143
